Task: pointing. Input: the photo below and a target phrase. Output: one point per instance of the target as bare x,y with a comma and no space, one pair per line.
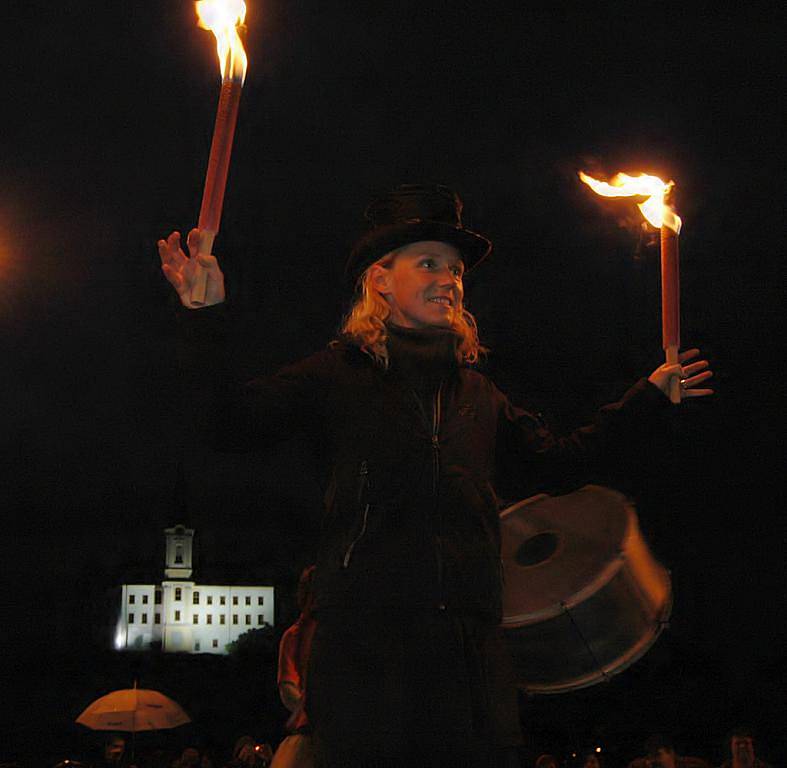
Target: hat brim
473,247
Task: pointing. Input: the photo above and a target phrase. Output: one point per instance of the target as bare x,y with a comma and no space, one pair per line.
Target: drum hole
537,549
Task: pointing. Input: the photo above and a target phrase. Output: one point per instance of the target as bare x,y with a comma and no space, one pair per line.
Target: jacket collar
422,356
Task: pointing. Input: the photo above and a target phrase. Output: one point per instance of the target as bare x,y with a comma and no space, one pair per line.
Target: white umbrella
133,709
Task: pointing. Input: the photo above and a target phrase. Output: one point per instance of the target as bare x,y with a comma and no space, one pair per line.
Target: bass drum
583,596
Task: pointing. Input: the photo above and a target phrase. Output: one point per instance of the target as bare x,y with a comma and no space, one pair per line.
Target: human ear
380,278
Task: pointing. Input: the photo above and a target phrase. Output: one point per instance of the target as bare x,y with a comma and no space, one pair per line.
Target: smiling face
423,285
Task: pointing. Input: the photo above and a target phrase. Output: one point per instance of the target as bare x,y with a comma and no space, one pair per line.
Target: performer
407,664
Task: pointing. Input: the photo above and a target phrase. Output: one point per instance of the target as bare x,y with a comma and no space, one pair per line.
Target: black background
106,122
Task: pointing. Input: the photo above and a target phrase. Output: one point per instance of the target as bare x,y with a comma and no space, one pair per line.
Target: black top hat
408,214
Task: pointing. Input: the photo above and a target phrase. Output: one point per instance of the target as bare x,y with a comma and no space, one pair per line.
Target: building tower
178,555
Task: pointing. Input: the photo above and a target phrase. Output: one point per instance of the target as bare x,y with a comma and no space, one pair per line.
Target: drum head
557,548
583,597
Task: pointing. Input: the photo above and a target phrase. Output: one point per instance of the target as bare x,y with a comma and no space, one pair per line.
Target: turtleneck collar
423,356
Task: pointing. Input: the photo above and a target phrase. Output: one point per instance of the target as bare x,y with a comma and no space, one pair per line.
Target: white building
185,616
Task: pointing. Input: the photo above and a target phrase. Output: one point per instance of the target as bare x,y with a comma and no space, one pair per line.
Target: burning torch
222,17
658,210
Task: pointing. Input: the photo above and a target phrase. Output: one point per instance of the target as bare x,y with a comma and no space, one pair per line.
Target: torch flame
222,17
654,209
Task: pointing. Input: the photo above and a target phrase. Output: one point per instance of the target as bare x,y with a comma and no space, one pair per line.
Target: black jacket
412,452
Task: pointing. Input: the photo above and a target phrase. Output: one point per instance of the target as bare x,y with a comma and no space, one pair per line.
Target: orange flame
223,17
654,209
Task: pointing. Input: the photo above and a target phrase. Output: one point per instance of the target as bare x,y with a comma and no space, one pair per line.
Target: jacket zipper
363,483
435,442
436,438
436,416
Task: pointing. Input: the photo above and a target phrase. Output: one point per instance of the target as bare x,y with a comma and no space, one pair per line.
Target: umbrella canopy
133,709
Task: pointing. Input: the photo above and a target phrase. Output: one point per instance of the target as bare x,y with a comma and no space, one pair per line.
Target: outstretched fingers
689,383
693,374
182,270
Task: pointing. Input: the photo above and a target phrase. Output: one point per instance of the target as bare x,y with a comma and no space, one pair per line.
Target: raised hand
181,270
690,375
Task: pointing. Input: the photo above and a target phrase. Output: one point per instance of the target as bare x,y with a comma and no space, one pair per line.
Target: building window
223,600
178,554
132,599
144,599
234,599
260,600
248,600
131,618
195,618
157,618
248,618
144,618
234,618
215,643
178,593
177,615
195,598
210,599
260,620
210,618
222,619
196,645
157,597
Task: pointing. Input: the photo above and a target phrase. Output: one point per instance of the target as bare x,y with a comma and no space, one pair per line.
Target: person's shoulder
288,639
346,349
474,378
291,631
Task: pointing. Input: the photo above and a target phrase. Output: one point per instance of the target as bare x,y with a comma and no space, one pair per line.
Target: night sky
107,114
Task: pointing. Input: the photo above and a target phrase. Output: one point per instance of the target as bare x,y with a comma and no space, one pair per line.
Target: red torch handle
670,302
670,289
220,150
216,176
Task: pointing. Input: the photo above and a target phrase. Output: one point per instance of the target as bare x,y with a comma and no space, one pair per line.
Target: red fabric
294,651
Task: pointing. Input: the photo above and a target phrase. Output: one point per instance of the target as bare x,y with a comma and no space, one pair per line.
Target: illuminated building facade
184,616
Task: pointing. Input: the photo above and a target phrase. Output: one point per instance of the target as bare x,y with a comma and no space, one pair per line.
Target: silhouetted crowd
118,752
659,752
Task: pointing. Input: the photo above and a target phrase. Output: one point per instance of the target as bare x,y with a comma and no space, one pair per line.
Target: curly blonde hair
365,324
